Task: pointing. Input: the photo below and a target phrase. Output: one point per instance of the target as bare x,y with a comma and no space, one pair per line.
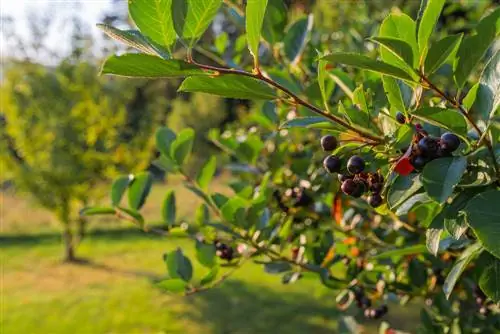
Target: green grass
114,293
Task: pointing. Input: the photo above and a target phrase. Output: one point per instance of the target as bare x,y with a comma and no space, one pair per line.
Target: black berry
355,165
349,186
328,143
449,142
428,146
376,187
400,117
418,161
360,189
343,177
332,164
375,200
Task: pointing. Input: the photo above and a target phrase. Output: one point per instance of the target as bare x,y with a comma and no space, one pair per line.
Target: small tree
64,131
411,210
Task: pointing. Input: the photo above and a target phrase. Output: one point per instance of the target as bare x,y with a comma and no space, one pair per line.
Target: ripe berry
400,117
349,187
355,165
380,312
332,164
449,142
419,162
375,200
428,146
343,177
328,143
360,190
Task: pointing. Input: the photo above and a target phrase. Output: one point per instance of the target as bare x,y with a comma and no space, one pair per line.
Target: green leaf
444,118
490,280
205,253
174,285
309,122
323,82
277,267
136,40
192,17
428,20
255,11
415,249
230,85
206,173
474,47
398,47
456,227
164,139
202,215
404,136
440,176
483,216
210,276
118,188
132,214
408,204
94,211
182,145
169,208
296,38
234,209
139,189
394,96
487,96
401,26
148,66
179,266
154,19
403,188
432,238
364,62
275,21
440,52
417,273
465,258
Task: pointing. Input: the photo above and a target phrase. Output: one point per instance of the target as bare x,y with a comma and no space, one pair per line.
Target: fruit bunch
223,251
355,182
365,304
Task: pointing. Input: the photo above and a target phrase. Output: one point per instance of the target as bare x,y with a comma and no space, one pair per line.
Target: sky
91,11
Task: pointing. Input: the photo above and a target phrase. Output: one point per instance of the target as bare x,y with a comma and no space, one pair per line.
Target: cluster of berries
481,303
365,304
427,148
223,251
355,182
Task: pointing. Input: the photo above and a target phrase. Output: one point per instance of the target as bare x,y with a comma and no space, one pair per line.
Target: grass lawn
113,292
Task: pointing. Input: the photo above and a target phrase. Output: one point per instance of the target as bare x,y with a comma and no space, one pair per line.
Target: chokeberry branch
456,104
296,99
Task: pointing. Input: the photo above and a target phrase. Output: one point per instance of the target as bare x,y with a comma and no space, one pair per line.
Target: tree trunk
69,249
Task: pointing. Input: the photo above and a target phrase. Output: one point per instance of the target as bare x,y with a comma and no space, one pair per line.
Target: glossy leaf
136,40
401,26
487,96
132,213
169,208
433,236
277,267
427,23
182,145
416,249
233,210
192,17
465,258
296,38
440,51
230,85
178,265
366,63
490,280
275,21
154,19
205,253
255,11
445,118
394,95
409,203
174,285
483,215
94,211
164,140
308,122
398,47
139,189
118,188
206,173
148,66
210,276
473,47
440,177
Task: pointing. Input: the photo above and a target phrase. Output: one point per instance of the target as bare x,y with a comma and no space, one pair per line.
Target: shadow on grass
113,234
236,307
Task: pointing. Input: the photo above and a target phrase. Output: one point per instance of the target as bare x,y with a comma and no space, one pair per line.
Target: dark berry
428,146
376,187
449,142
343,177
419,161
303,199
400,117
328,143
380,312
349,186
375,200
360,189
363,302
355,165
332,164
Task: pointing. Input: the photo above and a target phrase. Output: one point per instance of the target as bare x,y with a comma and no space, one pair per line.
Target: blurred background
65,132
